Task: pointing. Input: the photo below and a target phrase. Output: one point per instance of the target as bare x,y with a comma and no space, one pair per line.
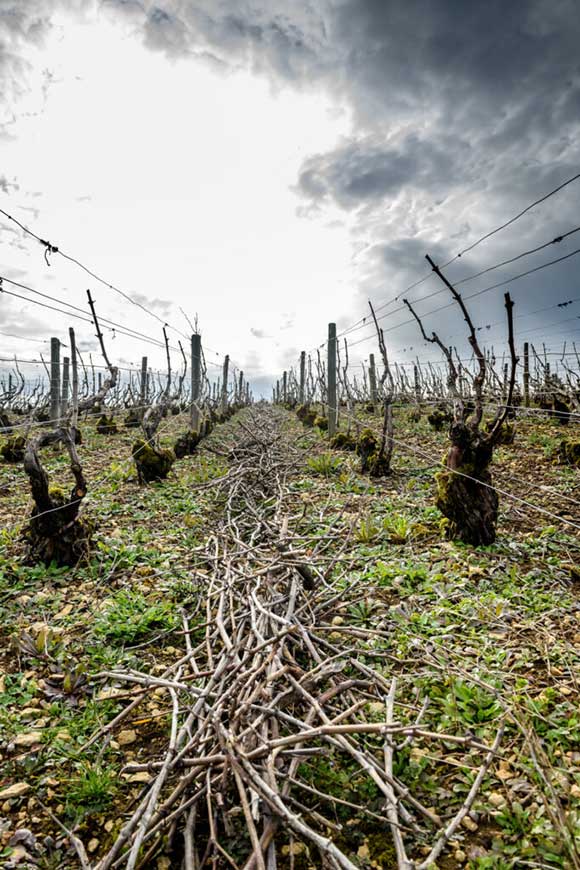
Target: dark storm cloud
275,36
478,96
493,74
363,172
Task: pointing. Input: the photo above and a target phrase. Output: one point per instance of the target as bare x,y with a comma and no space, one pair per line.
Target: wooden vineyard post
65,385
416,383
240,396
285,387
331,380
55,381
225,384
195,380
526,374
302,377
75,379
373,380
143,396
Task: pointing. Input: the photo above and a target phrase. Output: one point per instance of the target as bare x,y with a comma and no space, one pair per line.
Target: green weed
367,531
471,705
129,618
325,464
398,527
91,791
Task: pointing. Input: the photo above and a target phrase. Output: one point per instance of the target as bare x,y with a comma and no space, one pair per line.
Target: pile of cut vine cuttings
272,661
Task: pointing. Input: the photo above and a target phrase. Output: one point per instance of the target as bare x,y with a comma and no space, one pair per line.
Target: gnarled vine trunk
152,461
465,495
55,532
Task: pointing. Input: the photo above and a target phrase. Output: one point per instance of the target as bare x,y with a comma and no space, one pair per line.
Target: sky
271,165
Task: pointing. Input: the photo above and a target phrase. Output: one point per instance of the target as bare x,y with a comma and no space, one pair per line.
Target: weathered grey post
75,378
417,385
143,397
302,376
55,381
65,383
195,380
331,379
285,387
100,379
225,384
526,374
241,388
373,379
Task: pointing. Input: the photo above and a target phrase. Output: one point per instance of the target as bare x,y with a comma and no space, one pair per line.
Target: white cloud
184,176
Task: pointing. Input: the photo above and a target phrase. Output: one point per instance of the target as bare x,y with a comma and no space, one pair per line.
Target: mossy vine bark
13,449
373,459
152,463
55,533
465,495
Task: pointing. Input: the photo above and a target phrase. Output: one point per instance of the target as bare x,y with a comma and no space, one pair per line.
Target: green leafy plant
363,612
515,820
398,527
471,704
325,464
129,617
367,531
91,791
